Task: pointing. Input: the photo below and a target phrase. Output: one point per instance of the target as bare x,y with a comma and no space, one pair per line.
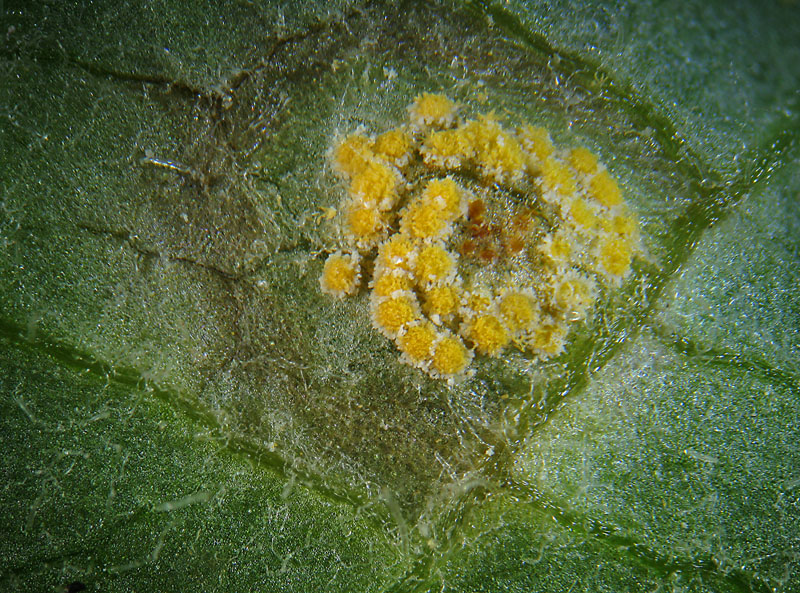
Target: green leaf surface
112,486
182,408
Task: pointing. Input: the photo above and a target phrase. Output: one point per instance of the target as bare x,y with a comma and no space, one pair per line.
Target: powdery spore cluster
483,238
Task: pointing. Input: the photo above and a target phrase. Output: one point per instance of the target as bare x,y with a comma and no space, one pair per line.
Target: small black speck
74,587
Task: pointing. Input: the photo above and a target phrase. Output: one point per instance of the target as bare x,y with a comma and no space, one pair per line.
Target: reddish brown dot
522,221
468,247
480,231
488,254
476,210
514,245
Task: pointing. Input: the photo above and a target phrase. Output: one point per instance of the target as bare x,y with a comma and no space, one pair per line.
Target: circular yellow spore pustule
614,258
441,302
375,185
450,357
574,293
396,253
352,155
475,302
445,194
488,334
581,215
416,342
497,153
429,109
340,275
620,224
387,284
547,339
389,315
519,311
556,176
536,142
434,264
425,220
583,161
603,188
395,146
448,149
365,224
557,248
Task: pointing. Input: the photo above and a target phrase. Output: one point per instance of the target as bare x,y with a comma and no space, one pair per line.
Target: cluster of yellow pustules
483,238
